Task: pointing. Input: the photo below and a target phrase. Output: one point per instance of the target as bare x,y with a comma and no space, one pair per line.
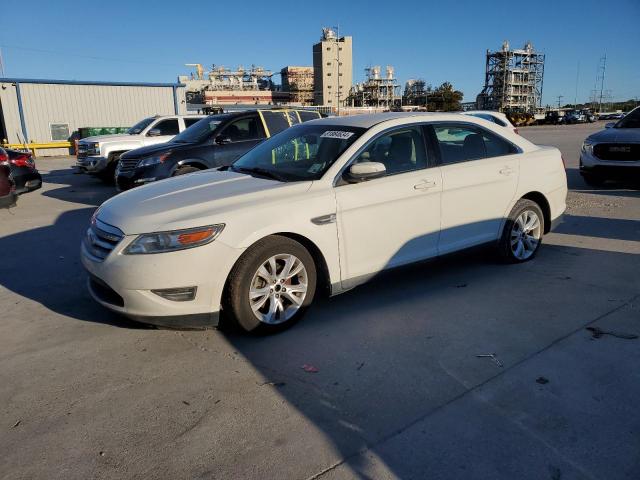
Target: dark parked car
23,171
215,141
8,195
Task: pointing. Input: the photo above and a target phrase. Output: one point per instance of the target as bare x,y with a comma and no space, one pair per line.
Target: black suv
215,141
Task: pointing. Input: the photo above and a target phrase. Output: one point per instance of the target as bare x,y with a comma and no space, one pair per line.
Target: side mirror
222,140
609,125
361,172
154,132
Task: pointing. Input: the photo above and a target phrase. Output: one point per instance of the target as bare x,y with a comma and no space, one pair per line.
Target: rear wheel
522,233
271,286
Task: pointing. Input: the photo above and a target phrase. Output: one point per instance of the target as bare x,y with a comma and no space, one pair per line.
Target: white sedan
322,206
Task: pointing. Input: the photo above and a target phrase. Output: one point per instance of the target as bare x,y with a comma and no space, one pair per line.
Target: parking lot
399,392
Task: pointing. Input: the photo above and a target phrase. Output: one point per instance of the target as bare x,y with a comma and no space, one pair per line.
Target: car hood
193,200
153,149
106,138
614,135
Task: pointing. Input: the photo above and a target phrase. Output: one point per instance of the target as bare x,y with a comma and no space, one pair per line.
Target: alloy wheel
525,235
278,289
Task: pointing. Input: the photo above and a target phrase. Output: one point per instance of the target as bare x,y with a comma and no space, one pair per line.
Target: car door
161,131
479,180
394,219
237,138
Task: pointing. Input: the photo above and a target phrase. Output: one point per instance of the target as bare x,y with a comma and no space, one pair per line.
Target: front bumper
141,175
123,283
590,164
92,164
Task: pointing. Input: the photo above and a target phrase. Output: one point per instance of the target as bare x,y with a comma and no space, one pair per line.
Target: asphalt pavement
400,389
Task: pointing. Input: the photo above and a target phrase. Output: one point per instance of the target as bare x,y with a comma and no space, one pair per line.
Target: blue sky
438,41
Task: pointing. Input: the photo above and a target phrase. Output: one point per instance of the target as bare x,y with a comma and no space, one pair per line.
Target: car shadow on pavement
50,272
628,188
77,187
609,228
390,353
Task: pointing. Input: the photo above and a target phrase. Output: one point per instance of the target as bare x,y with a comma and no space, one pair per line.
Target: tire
516,246
271,308
108,174
184,170
593,180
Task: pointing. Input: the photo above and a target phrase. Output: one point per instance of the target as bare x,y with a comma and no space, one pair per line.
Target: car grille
126,165
82,150
101,239
617,151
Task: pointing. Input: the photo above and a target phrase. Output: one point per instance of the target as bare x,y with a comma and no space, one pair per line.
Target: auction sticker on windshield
336,134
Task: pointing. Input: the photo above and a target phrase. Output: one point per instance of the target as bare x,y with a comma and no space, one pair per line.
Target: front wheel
522,233
271,286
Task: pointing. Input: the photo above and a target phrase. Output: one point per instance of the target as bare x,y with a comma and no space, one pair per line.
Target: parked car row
99,155
321,206
215,141
18,175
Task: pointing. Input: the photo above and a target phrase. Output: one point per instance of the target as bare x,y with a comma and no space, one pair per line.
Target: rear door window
276,121
462,143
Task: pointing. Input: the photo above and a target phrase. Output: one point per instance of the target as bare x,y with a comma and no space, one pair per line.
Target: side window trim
430,163
471,126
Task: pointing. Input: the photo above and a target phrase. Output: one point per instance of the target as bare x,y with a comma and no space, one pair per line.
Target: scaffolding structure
298,82
415,92
513,80
376,90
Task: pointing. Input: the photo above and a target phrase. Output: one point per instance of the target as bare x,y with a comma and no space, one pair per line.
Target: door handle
425,185
506,171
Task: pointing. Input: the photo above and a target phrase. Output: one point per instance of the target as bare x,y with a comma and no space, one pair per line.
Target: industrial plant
513,80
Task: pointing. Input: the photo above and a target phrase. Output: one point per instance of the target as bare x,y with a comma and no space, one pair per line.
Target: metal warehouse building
46,111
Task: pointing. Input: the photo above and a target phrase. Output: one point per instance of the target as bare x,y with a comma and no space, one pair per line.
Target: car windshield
200,130
140,126
302,152
632,120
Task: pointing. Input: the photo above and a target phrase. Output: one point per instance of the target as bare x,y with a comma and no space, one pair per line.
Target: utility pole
575,99
1,64
338,60
560,97
601,70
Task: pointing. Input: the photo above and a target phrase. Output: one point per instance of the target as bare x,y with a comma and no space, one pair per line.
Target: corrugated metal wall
82,106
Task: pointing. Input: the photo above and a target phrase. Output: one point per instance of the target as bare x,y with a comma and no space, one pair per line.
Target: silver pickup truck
99,155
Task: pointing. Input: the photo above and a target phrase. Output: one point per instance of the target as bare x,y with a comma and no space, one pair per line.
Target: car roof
368,120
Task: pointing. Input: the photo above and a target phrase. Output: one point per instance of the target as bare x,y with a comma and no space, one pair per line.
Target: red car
23,170
8,195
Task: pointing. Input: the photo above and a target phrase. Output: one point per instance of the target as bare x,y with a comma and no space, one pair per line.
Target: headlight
587,147
156,159
175,240
93,148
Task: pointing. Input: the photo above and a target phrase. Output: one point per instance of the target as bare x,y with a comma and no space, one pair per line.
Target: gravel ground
400,391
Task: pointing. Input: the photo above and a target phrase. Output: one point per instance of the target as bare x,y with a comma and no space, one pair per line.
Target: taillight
3,157
23,160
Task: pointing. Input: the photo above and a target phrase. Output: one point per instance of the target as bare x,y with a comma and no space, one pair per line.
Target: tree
444,98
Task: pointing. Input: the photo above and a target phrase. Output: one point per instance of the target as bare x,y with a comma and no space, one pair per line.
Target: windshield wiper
261,172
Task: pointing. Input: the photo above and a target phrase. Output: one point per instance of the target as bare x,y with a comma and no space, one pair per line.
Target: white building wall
80,105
